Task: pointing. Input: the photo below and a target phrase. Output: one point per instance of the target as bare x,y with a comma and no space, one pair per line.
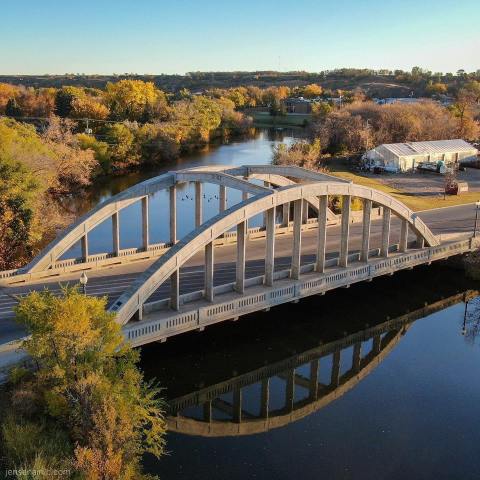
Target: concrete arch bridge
295,256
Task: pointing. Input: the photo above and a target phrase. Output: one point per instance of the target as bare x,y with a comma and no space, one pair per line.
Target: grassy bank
290,119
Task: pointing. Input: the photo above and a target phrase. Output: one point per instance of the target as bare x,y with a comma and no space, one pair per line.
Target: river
256,150
242,404
381,380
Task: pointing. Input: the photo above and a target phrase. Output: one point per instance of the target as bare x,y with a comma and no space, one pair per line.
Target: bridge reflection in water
278,393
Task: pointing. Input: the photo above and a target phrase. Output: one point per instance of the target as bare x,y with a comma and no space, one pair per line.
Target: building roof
297,100
431,147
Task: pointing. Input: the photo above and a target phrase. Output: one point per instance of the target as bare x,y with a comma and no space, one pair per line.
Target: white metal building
405,156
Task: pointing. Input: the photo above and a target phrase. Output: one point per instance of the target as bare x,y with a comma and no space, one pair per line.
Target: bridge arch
223,176
111,207
132,300
293,410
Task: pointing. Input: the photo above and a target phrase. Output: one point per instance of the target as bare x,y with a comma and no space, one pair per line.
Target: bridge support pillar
305,212
265,398
345,230
420,241
245,197
377,344
173,214
175,290
313,387
145,222
285,214
241,250
322,233
207,411
237,405
387,213
297,239
404,236
335,377
198,204
266,185
367,221
209,264
357,354
222,204
270,247
139,314
84,245
116,234
290,390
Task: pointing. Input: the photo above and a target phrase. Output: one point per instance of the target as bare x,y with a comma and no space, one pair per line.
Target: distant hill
385,84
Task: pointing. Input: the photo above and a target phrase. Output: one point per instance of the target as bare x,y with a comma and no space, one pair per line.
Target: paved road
113,282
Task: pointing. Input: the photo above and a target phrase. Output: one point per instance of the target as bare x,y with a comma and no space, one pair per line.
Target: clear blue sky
177,36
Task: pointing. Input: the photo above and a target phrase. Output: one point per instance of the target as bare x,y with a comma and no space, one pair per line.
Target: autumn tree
88,107
275,95
12,109
18,191
200,117
64,99
101,150
85,408
346,130
302,153
311,91
436,89
135,100
36,102
7,92
70,165
123,150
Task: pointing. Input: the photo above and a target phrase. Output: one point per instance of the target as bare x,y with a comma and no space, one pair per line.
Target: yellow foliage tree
88,107
135,100
87,398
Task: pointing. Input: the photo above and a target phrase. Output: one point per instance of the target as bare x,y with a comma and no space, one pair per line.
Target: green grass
296,120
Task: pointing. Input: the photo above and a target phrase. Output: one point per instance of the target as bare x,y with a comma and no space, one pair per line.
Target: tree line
417,78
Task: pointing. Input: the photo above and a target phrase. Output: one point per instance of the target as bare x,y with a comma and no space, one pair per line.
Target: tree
100,149
72,167
64,98
302,154
88,107
37,102
135,100
436,89
18,191
12,108
199,117
122,145
311,91
86,403
7,92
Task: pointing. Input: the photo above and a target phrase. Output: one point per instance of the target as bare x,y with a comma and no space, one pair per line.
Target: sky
179,36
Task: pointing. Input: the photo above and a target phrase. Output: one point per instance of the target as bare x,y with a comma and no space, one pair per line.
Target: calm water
256,150
408,408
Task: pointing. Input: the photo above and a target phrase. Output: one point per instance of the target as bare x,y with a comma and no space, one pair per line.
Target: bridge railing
161,324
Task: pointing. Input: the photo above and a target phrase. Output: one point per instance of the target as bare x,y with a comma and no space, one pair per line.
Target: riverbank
264,119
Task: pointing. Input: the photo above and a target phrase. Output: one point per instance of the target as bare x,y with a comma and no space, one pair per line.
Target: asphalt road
112,282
